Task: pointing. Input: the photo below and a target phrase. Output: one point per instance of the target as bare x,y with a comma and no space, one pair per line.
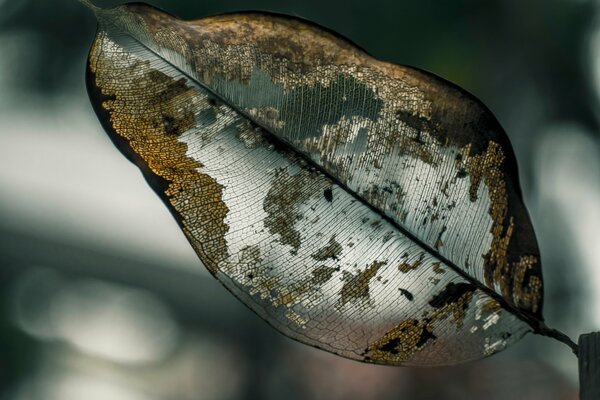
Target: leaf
365,208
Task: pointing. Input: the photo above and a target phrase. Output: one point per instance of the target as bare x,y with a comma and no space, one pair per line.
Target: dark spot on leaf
418,139
170,125
328,193
415,121
407,294
451,293
426,335
438,242
461,173
207,117
391,346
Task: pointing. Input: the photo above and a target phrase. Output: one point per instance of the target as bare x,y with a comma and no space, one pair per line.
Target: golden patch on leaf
498,270
411,142
491,306
149,110
528,295
399,344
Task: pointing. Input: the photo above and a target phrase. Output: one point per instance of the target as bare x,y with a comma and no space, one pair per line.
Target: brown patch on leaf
356,287
412,137
437,268
391,196
406,267
250,135
331,250
282,203
268,115
257,276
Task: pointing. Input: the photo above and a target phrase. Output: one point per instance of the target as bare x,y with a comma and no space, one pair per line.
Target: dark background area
102,298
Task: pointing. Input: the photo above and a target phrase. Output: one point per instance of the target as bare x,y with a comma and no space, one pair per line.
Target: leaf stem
544,330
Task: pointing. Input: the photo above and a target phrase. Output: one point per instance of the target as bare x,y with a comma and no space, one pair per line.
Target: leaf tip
89,5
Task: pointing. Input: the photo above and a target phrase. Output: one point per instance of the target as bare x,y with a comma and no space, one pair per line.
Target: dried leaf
365,208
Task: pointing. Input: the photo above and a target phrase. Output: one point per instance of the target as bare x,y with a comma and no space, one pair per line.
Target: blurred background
101,297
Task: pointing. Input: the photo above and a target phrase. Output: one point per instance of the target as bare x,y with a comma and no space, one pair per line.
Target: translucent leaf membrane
367,209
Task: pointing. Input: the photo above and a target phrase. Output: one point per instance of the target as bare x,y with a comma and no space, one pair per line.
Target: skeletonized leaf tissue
368,209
